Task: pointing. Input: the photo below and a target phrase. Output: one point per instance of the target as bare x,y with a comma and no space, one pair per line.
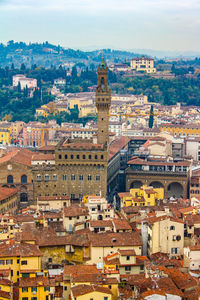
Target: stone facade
103,102
79,167
15,172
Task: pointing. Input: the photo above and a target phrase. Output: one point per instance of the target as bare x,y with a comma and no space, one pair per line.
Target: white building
59,81
192,147
145,64
99,208
30,83
115,127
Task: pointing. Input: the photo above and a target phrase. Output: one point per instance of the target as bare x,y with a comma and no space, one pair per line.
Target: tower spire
103,60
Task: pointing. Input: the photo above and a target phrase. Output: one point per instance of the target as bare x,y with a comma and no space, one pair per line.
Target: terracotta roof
93,278
101,223
121,224
7,192
75,210
20,156
195,248
5,282
154,292
5,295
22,250
126,292
46,148
162,259
83,289
42,157
36,281
126,252
53,198
126,194
115,146
152,220
80,269
191,220
139,161
119,239
188,209
182,281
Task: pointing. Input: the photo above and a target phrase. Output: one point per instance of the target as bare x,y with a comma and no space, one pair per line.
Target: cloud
103,6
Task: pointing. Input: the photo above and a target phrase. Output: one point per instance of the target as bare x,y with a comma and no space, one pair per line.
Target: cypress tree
151,117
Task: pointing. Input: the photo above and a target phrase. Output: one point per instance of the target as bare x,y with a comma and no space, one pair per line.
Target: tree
23,67
51,107
7,118
151,117
19,87
74,73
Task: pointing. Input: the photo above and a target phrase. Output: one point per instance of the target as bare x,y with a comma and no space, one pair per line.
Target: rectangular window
47,289
24,262
34,289
55,177
174,251
127,268
9,261
128,258
73,196
89,177
73,177
64,177
81,177
97,177
2,262
24,290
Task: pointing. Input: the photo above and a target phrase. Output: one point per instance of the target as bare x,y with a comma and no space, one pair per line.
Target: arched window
39,178
23,197
55,177
10,179
46,177
23,179
73,177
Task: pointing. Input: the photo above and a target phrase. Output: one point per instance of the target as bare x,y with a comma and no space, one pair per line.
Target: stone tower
103,102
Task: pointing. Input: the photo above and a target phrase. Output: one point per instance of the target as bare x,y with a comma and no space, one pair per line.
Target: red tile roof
121,224
20,156
7,192
115,239
115,146
75,210
36,281
22,250
42,157
83,289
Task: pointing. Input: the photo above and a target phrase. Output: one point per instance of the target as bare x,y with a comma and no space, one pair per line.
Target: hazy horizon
168,25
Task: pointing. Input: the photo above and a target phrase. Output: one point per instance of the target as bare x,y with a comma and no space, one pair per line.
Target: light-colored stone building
166,235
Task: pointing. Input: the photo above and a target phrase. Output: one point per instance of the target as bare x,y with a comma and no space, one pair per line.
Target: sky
170,25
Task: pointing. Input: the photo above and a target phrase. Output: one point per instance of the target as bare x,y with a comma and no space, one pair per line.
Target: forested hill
46,54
